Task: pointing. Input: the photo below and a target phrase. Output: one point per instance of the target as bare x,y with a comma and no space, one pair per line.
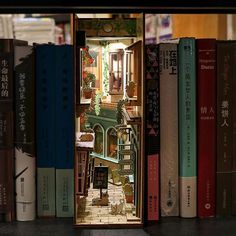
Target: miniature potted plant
88,81
130,89
88,78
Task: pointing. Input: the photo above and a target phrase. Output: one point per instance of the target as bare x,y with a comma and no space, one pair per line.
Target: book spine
6,179
234,141
45,129
153,191
169,169
206,120
152,132
64,132
25,133
6,130
187,127
224,126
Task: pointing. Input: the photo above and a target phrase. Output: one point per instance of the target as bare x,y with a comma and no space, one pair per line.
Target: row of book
36,130
190,128
41,30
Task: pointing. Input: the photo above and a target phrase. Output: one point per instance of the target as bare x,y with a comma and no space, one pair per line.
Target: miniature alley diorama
108,160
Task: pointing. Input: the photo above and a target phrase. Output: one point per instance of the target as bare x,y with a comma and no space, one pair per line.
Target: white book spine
169,129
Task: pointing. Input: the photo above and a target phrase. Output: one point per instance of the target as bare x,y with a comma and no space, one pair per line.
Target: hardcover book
206,120
169,169
187,127
64,127
7,210
152,132
234,140
45,129
25,133
225,76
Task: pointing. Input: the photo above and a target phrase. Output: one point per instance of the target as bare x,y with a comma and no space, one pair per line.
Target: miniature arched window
112,142
99,139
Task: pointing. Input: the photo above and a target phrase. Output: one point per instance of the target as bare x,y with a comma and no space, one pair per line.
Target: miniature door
116,72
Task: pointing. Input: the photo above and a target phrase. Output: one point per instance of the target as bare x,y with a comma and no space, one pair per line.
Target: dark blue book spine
45,129
64,121
64,127
45,105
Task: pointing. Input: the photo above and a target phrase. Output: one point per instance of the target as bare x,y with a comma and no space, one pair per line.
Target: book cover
45,129
169,169
152,124
64,127
7,127
187,127
225,64
25,184
206,126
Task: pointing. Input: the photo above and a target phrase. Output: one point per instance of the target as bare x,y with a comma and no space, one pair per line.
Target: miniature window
112,143
90,73
99,139
133,73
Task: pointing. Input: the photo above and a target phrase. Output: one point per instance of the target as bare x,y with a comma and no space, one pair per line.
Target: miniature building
108,175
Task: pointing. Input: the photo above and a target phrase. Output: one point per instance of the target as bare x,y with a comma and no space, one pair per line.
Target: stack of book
34,30
195,126
36,130
6,26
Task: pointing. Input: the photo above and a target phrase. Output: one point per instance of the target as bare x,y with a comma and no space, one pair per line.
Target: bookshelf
216,30
200,25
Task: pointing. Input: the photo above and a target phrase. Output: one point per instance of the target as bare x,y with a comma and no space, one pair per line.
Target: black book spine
152,132
234,137
224,126
7,210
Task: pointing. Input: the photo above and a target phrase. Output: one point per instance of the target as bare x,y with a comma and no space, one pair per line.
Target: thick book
45,130
25,184
234,139
187,127
225,77
169,163
64,127
152,130
206,126
7,210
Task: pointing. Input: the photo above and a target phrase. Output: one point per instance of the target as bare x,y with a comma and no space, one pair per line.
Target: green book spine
187,127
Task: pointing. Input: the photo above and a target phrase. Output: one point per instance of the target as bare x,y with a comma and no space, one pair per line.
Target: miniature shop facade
108,159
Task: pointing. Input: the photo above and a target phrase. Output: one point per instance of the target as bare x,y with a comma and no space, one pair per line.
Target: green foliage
119,114
97,107
105,67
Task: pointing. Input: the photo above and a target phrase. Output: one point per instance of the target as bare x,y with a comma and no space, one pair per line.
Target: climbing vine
97,107
105,67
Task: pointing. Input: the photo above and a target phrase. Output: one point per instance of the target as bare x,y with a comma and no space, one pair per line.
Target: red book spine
206,117
153,191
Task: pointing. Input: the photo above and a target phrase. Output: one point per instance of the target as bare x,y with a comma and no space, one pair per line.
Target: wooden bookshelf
200,25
